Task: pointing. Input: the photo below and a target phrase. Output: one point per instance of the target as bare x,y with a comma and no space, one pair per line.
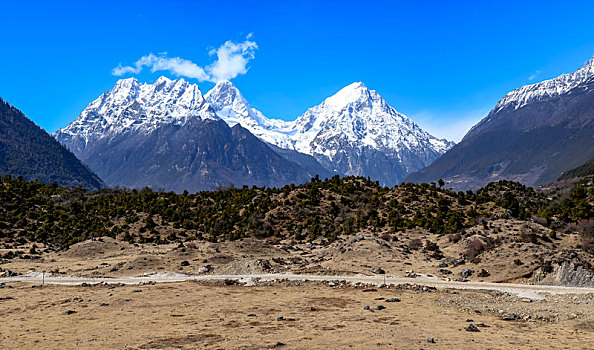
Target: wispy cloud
231,60
533,76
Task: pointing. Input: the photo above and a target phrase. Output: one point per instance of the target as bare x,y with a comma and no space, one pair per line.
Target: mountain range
27,150
167,135
354,132
533,134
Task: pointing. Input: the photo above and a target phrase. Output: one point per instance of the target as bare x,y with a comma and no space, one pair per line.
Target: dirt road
521,290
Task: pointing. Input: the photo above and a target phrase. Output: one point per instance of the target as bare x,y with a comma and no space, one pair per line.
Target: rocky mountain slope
354,132
165,135
532,135
27,150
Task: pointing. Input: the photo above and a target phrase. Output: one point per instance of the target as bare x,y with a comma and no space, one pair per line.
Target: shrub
474,249
431,246
455,237
386,236
586,229
415,244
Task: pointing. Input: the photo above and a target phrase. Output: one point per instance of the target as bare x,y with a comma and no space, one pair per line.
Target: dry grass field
283,315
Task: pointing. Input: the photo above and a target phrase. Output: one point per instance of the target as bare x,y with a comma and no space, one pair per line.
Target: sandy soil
310,315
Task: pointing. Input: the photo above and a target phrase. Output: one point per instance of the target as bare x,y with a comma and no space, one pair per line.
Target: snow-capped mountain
354,132
533,134
232,107
546,89
165,135
362,118
134,107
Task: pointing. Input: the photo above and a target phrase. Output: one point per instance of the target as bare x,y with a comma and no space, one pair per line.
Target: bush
474,249
455,237
431,246
415,244
586,229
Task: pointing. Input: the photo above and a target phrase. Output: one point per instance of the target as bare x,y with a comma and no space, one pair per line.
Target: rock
69,312
280,318
137,290
342,250
252,315
431,340
367,308
510,317
466,273
483,273
469,320
380,307
185,263
445,272
278,343
378,270
443,264
103,304
393,300
204,269
472,328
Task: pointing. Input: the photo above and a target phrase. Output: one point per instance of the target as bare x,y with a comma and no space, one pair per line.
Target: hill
586,169
27,150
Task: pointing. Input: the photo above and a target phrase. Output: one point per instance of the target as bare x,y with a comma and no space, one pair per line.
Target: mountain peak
224,92
546,89
162,79
134,107
354,92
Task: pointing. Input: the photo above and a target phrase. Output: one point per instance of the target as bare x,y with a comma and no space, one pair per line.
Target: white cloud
232,60
534,75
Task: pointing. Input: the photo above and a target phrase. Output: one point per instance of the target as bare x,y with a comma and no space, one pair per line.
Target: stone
431,340
393,300
380,307
466,273
378,270
69,312
185,263
483,273
472,328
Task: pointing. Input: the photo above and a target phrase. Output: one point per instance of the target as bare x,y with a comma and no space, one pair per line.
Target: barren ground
190,315
300,315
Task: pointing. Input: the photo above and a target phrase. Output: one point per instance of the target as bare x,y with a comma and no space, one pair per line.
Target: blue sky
443,63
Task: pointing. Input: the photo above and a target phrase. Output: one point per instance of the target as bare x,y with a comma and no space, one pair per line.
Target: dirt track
521,290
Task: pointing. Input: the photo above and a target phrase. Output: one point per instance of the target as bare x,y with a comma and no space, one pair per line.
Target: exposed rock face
569,274
532,135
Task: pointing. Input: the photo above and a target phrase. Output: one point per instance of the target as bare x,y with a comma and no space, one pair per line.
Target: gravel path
521,290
